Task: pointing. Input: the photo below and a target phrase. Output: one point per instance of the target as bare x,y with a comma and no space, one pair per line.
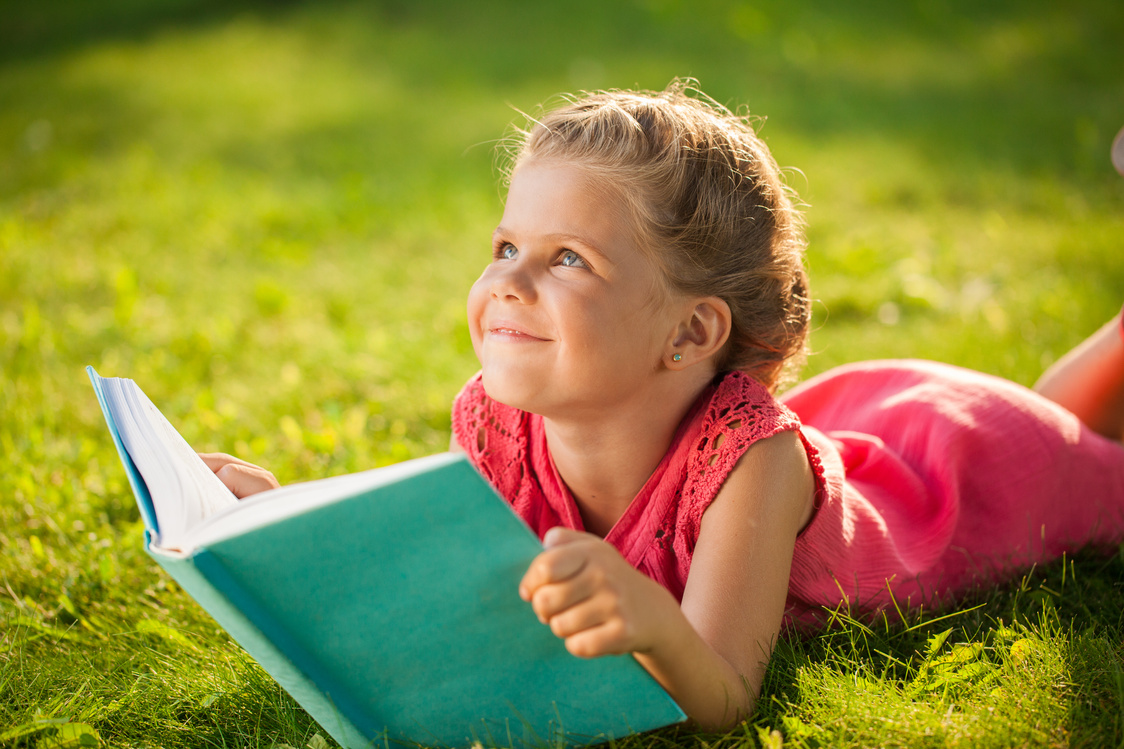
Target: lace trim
815,460
739,414
493,436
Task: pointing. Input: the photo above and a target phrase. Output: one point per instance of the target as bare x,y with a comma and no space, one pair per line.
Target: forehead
563,204
552,198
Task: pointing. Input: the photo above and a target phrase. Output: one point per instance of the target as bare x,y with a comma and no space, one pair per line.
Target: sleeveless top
929,479
657,532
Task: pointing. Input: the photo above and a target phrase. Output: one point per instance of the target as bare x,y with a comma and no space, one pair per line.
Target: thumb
560,535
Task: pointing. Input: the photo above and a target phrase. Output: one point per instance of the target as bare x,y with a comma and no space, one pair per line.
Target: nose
511,281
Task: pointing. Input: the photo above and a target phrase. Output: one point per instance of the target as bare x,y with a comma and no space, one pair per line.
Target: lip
509,331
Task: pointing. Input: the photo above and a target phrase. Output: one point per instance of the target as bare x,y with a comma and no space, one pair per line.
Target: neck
606,458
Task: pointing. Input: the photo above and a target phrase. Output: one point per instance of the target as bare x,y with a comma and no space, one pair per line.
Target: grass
269,216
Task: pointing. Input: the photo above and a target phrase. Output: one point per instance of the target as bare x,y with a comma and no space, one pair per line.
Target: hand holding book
592,598
241,478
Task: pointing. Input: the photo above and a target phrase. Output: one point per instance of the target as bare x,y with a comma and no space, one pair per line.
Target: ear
701,334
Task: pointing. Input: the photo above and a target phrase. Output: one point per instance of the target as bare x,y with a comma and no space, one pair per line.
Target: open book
384,602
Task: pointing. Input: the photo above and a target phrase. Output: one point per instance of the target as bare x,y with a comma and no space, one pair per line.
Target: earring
677,357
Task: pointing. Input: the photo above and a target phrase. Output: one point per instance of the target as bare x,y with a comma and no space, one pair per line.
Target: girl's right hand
240,477
593,599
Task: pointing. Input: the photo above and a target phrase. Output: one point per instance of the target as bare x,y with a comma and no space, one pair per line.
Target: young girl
646,296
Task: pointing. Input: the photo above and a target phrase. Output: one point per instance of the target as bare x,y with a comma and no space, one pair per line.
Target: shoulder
740,413
769,460
774,477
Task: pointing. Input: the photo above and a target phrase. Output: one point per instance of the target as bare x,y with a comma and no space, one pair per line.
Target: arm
710,654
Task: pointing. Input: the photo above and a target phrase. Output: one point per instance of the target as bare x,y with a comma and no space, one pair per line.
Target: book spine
204,578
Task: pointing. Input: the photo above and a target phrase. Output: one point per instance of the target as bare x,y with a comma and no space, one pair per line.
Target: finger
560,535
609,638
246,480
594,611
552,599
551,566
215,461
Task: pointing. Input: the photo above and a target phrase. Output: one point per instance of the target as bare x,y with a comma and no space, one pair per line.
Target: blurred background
269,214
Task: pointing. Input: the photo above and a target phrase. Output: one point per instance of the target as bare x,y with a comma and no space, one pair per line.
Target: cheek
477,298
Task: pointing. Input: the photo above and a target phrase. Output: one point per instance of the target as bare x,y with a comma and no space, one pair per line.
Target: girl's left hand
241,478
593,599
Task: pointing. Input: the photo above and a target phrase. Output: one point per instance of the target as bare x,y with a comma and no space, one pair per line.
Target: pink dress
930,479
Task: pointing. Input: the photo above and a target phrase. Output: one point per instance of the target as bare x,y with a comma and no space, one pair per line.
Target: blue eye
508,252
571,259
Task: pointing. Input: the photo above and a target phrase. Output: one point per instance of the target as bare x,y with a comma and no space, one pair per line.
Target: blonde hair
708,203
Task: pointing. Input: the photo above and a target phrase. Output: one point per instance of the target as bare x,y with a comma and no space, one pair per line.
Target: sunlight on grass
269,216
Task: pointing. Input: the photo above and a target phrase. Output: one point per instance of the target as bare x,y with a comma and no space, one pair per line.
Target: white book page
295,499
184,490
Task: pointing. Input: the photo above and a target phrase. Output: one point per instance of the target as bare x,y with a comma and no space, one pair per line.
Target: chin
513,392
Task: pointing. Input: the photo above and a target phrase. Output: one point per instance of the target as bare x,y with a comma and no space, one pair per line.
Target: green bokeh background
269,214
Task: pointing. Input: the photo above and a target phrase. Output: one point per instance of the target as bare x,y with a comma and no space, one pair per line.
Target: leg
1089,381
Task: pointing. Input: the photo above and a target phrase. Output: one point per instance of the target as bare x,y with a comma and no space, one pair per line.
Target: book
385,602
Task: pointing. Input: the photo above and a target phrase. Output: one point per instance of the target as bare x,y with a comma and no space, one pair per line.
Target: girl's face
569,318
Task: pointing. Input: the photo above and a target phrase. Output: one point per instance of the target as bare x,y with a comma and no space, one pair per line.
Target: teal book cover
391,614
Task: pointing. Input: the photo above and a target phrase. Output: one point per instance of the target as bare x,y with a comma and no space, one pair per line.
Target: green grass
269,215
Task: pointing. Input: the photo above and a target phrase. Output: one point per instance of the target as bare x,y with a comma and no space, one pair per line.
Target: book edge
214,597
136,481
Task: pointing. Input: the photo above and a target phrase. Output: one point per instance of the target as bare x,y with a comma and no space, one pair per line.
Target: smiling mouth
506,332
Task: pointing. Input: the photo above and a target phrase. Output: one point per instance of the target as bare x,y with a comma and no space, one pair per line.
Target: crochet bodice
658,531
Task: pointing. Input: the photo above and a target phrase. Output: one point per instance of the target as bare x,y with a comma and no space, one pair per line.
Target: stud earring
677,357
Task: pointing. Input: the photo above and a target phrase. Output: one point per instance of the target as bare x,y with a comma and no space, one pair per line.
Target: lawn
269,214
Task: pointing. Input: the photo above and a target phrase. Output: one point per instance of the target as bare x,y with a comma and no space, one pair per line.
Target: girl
646,297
